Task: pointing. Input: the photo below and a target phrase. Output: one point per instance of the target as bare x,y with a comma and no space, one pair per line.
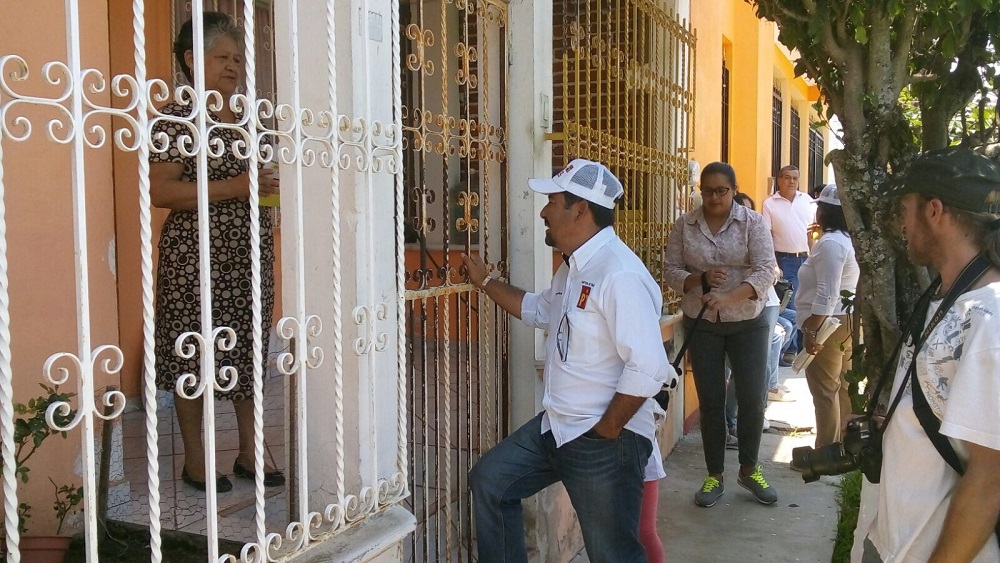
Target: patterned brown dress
178,295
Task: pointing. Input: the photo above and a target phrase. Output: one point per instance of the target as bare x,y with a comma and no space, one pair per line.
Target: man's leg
786,319
790,271
774,352
516,468
604,479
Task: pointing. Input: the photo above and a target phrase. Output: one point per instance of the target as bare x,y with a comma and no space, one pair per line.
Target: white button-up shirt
830,269
602,314
788,221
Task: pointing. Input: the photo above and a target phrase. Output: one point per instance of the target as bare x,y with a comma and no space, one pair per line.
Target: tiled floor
182,507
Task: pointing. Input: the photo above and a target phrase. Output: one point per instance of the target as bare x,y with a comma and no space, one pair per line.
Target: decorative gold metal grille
624,96
455,157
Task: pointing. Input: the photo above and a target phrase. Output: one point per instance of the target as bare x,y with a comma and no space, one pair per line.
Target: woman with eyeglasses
720,256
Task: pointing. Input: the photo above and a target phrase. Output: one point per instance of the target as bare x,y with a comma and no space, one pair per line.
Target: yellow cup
270,200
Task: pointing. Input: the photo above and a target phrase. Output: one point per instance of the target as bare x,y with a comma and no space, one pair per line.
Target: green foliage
878,66
66,498
849,501
30,432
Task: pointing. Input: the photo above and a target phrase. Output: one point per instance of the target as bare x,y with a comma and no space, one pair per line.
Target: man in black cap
940,493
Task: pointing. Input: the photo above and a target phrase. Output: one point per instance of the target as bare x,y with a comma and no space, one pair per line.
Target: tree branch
904,42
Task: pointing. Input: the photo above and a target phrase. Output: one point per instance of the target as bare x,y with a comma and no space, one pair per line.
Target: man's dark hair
603,216
831,218
788,168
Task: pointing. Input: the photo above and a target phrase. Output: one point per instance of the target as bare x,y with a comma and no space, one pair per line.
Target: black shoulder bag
928,420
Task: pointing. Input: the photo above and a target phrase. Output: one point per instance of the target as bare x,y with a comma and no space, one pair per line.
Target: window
817,151
793,139
776,109
725,112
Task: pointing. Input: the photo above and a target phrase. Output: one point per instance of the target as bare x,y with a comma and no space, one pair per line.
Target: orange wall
754,60
39,213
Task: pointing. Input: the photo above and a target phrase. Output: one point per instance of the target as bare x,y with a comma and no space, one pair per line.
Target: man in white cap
604,359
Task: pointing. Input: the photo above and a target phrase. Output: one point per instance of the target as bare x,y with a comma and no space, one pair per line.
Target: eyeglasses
714,192
562,337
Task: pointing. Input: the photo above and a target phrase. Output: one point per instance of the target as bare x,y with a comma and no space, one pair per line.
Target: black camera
861,449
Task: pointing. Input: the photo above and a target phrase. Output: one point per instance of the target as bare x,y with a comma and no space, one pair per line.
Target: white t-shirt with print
959,373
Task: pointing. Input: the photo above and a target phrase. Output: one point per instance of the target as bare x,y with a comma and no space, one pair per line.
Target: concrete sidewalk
801,526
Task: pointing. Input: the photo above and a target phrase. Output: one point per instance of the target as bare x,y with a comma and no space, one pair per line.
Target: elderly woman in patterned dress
173,178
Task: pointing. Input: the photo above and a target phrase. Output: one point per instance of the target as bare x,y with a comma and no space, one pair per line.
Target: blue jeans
781,341
790,271
604,479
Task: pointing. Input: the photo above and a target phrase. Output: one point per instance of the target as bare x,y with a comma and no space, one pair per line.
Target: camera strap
928,420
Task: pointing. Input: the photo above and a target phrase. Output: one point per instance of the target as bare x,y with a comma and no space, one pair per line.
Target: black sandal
222,483
273,479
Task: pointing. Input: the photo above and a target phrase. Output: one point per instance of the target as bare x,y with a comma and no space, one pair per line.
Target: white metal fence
344,404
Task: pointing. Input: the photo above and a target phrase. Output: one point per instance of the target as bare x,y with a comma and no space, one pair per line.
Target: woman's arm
675,270
167,190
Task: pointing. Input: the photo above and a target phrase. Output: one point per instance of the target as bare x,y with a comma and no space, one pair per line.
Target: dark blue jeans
604,479
790,271
746,345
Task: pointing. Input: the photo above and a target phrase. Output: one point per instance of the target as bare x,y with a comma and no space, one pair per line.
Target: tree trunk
935,128
889,280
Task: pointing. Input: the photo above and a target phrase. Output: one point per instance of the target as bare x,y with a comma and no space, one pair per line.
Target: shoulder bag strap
928,420
971,274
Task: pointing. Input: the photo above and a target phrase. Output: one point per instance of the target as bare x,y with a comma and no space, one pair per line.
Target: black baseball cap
959,177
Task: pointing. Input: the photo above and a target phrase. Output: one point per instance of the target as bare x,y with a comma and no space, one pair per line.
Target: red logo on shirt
584,295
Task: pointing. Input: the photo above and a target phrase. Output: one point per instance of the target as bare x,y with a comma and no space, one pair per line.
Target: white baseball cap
584,178
829,195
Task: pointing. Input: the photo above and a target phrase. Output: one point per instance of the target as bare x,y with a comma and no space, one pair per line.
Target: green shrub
849,500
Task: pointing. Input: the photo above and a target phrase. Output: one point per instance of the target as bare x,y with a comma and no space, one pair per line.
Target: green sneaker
756,484
710,492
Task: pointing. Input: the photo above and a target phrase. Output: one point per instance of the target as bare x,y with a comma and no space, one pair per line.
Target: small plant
66,499
30,432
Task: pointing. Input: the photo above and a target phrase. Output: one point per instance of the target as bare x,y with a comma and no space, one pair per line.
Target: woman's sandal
222,483
273,479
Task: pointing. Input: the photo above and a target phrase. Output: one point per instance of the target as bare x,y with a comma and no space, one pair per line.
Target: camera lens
828,460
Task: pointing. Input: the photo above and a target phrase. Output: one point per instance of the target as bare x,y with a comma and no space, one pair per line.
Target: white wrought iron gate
334,414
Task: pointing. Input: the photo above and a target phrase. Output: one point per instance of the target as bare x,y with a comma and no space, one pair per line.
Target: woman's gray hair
216,25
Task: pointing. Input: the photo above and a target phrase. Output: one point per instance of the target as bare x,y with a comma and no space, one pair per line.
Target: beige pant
825,376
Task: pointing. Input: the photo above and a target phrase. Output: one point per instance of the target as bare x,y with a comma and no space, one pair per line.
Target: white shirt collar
588,249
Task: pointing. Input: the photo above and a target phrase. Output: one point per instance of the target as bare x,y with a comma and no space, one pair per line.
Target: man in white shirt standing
604,359
928,509
788,214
